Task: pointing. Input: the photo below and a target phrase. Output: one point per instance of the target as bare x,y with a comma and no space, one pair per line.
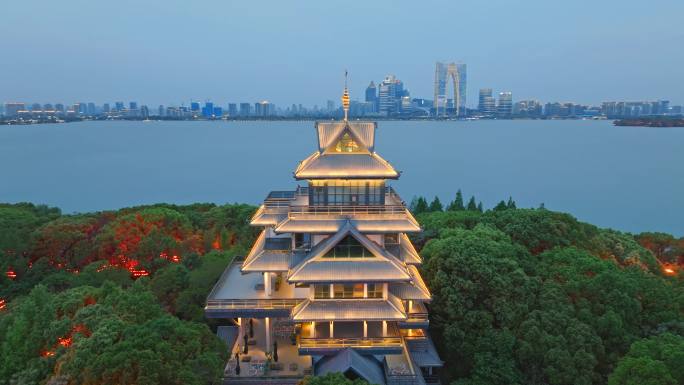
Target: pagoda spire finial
345,98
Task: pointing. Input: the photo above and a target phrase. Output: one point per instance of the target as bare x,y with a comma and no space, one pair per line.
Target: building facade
390,92
486,103
332,282
457,74
504,108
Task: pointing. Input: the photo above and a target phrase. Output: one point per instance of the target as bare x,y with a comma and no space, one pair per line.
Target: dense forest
521,296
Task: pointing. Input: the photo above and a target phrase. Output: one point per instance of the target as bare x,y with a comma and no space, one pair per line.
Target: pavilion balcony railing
347,210
359,342
417,317
267,304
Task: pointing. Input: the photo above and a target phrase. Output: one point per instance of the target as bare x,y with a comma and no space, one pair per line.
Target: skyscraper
486,104
390,92
245,109
457,72
372,96
12,109
195,108
208,110
505,106
232,109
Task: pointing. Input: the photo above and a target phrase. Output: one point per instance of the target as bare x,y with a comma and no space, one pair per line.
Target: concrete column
365,329
313,329
365,290
267,325
332,291
267,284
332,329
384,328
384,291
241,332
312,292
410,303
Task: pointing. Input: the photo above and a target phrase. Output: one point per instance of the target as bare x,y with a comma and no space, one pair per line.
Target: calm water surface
627,178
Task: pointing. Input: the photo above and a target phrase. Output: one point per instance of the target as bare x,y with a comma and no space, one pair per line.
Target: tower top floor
346,150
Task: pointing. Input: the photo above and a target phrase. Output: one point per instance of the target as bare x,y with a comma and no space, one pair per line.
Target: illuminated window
374,290
346,144
349,247
346,193
348,291
322,291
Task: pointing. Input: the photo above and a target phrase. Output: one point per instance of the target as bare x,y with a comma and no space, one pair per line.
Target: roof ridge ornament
345,98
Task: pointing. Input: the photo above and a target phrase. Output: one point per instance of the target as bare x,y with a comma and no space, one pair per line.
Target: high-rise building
133,105
486,104
195,108
59,108
144,111
119,106
505,107
372,96
484,93
12,109
457,73
208,110
105,108
161,110
330,105
264,108
332,282
232,110
390,92
245,109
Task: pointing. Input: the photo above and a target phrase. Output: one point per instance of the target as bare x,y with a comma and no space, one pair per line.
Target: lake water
628,178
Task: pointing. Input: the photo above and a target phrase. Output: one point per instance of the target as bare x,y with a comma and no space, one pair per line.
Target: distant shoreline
650,122
268,119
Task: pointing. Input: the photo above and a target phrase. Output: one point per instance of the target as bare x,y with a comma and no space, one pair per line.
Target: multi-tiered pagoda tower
332,282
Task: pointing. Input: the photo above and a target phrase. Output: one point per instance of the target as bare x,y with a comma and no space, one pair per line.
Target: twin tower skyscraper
455,73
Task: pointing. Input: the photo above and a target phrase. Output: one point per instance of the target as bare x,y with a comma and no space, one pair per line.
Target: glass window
358,290
346,192
302,240
349,247
343,291
391,239
322,291
374,290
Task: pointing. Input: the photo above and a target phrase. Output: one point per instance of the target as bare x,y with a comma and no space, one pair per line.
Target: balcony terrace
349,335
238,294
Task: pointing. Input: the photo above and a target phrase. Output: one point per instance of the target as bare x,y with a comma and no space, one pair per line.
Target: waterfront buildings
456,73
486,104
504,109
332,282
12,109
372,96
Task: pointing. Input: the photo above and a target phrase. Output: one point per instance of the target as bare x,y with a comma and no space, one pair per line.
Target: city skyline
233,53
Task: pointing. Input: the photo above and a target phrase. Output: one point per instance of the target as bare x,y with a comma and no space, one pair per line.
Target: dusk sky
168,52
